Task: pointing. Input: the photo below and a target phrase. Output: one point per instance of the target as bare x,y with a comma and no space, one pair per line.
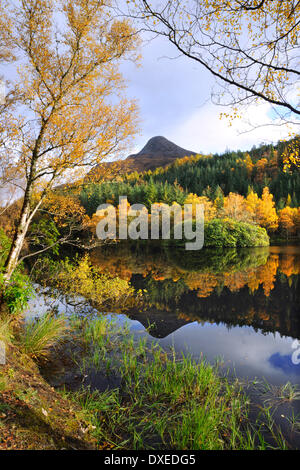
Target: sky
174,97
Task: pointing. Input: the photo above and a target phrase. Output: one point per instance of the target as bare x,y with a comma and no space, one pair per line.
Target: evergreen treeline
247,187
232,172
140,192
205,176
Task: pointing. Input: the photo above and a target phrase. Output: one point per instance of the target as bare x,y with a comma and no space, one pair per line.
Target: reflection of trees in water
277,312
218,259
125,259
237,287
205,271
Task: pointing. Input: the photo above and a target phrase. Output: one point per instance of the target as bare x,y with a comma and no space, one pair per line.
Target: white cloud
204,131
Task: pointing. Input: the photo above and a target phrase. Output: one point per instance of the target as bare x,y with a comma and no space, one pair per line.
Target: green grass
6,333
281,394
165,401
39,335
3,383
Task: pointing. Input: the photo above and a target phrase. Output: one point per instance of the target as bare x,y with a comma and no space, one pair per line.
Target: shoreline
162,402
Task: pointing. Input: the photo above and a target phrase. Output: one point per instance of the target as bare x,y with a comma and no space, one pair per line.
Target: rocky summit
158,151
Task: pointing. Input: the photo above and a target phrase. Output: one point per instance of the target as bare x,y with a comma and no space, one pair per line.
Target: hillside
206,175
232,171
158,152
249,187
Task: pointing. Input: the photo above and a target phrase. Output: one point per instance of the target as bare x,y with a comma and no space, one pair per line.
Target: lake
239,305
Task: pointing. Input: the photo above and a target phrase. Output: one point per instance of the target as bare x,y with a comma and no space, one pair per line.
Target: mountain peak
159,145
158,152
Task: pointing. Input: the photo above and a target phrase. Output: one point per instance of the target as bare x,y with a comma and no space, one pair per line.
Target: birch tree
69,110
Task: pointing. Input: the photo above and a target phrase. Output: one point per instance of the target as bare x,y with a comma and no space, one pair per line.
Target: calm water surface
242,306
239,305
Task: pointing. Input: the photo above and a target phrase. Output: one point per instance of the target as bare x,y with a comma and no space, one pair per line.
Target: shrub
19,290
228,232
231,233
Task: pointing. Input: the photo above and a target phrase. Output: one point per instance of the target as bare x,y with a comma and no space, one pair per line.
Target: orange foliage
64,209
209,209
288,220
70,112
235,207
263,210
260,168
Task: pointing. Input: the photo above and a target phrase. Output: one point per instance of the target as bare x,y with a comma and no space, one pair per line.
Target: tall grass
165,401
39,335
6,333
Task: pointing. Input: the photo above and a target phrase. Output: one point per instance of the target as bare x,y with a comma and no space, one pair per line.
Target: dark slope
158,151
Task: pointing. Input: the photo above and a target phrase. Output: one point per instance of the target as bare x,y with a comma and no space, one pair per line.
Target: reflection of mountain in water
277,312
159,323
246,287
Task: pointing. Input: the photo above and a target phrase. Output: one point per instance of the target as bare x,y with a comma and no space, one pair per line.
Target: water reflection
242,305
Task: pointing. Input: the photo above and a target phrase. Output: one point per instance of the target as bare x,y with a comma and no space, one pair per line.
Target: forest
250,187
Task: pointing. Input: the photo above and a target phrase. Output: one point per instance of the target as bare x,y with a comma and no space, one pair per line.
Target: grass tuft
41,334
